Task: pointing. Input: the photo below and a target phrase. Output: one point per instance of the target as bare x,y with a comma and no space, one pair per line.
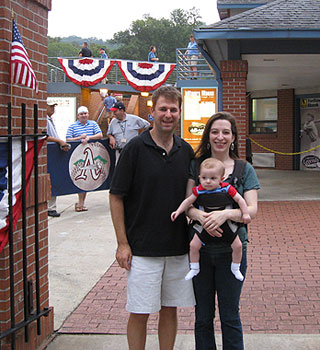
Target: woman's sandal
78,209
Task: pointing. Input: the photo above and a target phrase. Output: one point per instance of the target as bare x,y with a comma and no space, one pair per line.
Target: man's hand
112,142
124,256
85,140
64,146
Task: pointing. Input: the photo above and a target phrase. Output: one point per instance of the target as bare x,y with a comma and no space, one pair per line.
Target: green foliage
134,43
71,46
57,48
166,34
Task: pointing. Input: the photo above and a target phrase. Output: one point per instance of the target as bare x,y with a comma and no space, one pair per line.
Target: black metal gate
31,312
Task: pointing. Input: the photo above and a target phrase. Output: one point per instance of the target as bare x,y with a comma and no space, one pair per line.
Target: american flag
21,68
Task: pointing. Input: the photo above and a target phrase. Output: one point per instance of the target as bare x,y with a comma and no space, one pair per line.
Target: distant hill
78,40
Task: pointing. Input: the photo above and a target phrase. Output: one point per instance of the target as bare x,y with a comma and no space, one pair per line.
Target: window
264,115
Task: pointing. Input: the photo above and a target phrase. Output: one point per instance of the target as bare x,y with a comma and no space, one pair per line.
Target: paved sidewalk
280,303
280,295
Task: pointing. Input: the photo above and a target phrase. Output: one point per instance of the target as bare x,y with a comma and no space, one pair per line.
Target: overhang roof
276,15
280,27
242,2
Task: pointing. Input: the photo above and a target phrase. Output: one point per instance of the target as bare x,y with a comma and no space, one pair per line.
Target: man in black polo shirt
85,51
149,182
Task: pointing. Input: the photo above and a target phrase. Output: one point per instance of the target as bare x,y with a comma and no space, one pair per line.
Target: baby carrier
219,201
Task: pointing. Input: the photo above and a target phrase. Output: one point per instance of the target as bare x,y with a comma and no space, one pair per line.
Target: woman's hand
213,220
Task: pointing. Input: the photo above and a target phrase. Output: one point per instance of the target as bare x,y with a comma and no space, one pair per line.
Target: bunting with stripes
16,183
144,76
86,71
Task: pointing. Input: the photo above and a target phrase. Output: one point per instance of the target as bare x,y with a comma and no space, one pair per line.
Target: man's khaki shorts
154,282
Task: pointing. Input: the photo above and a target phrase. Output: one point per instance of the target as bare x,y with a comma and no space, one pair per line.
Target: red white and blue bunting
16,157
86,71
142,76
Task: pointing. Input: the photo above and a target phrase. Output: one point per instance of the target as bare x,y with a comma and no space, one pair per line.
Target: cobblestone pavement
281,294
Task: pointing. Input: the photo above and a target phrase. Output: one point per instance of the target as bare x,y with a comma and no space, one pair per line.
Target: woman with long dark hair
220,140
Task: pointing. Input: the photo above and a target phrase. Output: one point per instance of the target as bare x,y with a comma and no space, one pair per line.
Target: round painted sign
89,166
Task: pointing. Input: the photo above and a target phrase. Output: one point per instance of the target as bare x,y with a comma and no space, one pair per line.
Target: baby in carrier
213,194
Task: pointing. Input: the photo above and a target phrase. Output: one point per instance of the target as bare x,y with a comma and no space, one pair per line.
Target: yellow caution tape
282,153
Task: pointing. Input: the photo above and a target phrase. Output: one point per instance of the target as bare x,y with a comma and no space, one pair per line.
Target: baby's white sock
235,269
194,270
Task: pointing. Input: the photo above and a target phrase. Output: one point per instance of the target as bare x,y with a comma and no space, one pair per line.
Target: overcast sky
101,19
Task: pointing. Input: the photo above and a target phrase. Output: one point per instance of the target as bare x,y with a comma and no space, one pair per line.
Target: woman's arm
216,218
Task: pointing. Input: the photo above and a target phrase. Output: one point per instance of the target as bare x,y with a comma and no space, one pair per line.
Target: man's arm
123,254
84,138
112,141
76,138
62,143
97,136
143,124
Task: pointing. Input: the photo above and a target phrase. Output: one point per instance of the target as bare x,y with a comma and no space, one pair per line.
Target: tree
70,46
57,48
166,34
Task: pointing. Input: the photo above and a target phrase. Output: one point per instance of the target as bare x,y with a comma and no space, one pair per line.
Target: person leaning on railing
192,55
83,130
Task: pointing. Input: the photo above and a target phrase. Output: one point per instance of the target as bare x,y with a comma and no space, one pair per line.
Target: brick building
31,17
266,56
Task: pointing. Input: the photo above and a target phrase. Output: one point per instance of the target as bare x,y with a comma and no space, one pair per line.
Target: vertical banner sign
310,133
198,105
83,168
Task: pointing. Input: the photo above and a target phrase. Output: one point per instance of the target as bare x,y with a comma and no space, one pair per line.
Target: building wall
235,101
31,17
283,140
234,77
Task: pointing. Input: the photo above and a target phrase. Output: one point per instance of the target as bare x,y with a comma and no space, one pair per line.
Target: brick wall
31,17
234,77
282,141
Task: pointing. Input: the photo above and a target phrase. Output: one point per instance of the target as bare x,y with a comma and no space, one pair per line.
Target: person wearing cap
124,127
103,53
53,137
83,130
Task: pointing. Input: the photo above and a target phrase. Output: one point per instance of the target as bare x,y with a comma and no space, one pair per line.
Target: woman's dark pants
215,277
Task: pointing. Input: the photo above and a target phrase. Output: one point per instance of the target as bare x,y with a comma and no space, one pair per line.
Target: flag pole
10,70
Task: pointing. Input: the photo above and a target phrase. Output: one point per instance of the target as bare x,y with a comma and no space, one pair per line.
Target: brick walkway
281,293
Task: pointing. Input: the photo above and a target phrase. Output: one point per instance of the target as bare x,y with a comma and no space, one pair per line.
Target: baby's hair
212,163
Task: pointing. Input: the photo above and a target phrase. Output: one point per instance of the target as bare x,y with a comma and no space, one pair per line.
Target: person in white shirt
124,127
54,137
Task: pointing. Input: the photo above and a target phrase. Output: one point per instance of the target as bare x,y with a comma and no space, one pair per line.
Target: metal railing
195,67
187,68
56,74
